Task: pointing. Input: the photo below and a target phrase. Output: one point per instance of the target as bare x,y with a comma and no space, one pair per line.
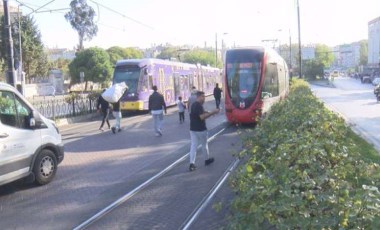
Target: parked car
366,79
30,144
376,81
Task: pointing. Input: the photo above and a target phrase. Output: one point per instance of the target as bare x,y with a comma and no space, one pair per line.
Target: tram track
124,198
210,195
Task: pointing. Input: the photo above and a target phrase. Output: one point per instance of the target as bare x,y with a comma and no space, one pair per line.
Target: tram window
243,79
271,86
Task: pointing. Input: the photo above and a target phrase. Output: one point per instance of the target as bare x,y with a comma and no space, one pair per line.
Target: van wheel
45,167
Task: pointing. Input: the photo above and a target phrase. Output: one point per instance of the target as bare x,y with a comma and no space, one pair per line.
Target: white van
30,144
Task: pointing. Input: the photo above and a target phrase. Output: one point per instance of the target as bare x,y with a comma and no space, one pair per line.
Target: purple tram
173,79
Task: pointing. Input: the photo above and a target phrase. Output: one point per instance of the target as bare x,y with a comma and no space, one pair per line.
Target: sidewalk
210,102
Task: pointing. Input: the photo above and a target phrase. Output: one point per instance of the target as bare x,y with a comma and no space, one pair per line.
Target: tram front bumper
132,105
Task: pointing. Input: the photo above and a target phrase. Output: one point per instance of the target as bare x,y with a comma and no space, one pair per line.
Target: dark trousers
217,102
181,116
105,118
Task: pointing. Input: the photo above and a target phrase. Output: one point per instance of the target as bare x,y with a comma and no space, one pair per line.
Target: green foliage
81,18
363,52
94,95
94,62
203,57
72,97
34,59
168,52
323,59
118,53
313,68
61,64
304,171
323,55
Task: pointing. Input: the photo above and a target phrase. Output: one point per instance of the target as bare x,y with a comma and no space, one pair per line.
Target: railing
65,107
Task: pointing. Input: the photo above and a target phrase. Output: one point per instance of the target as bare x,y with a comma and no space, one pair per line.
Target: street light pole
299,39
20,61
223,47
216,49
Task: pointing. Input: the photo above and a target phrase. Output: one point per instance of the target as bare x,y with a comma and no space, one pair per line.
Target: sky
143,23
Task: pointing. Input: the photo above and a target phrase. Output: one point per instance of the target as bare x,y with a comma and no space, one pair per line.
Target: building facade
347,55
374,42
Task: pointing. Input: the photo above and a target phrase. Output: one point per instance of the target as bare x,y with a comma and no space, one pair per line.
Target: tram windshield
128,74
243,69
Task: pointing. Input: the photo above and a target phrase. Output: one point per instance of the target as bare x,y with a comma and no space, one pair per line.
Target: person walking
116,112
192,98
198,130
156,107
103,106
217,95
181,110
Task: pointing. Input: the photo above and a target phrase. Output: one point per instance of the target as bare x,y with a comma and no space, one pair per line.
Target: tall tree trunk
81,36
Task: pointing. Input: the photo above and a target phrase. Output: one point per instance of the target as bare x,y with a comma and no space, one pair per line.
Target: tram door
177,86
200,81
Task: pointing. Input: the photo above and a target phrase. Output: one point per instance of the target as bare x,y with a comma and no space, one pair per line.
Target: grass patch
367,151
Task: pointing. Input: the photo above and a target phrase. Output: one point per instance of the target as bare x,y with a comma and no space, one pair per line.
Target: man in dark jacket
156,107
217,95
103,106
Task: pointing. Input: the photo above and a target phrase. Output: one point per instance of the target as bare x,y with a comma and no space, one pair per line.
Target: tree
204,57
312,69
363,52
133,53
168,52
34,59
81,18
118,53
323,55
61,64
94,62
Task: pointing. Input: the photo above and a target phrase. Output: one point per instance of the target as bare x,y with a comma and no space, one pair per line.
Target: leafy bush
94,95
73,96
304,171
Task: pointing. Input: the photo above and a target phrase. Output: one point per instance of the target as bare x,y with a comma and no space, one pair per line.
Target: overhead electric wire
40,7
36,11
123,15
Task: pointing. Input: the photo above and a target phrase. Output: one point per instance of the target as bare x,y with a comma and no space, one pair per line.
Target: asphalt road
98,167
357,103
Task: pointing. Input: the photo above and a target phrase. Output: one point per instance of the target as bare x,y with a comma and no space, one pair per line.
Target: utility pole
299,38
21,77
290,54
216,49
9,45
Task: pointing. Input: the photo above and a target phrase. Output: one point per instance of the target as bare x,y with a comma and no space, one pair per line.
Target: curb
328,85
66,121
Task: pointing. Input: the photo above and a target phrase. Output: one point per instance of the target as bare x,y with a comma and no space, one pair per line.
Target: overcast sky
243,22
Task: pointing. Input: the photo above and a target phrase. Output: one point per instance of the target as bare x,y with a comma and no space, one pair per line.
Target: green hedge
304,170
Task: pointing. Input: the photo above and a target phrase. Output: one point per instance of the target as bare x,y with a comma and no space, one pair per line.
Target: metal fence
65,107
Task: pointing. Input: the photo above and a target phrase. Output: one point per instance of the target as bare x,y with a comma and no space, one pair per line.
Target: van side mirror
32,122
35,121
